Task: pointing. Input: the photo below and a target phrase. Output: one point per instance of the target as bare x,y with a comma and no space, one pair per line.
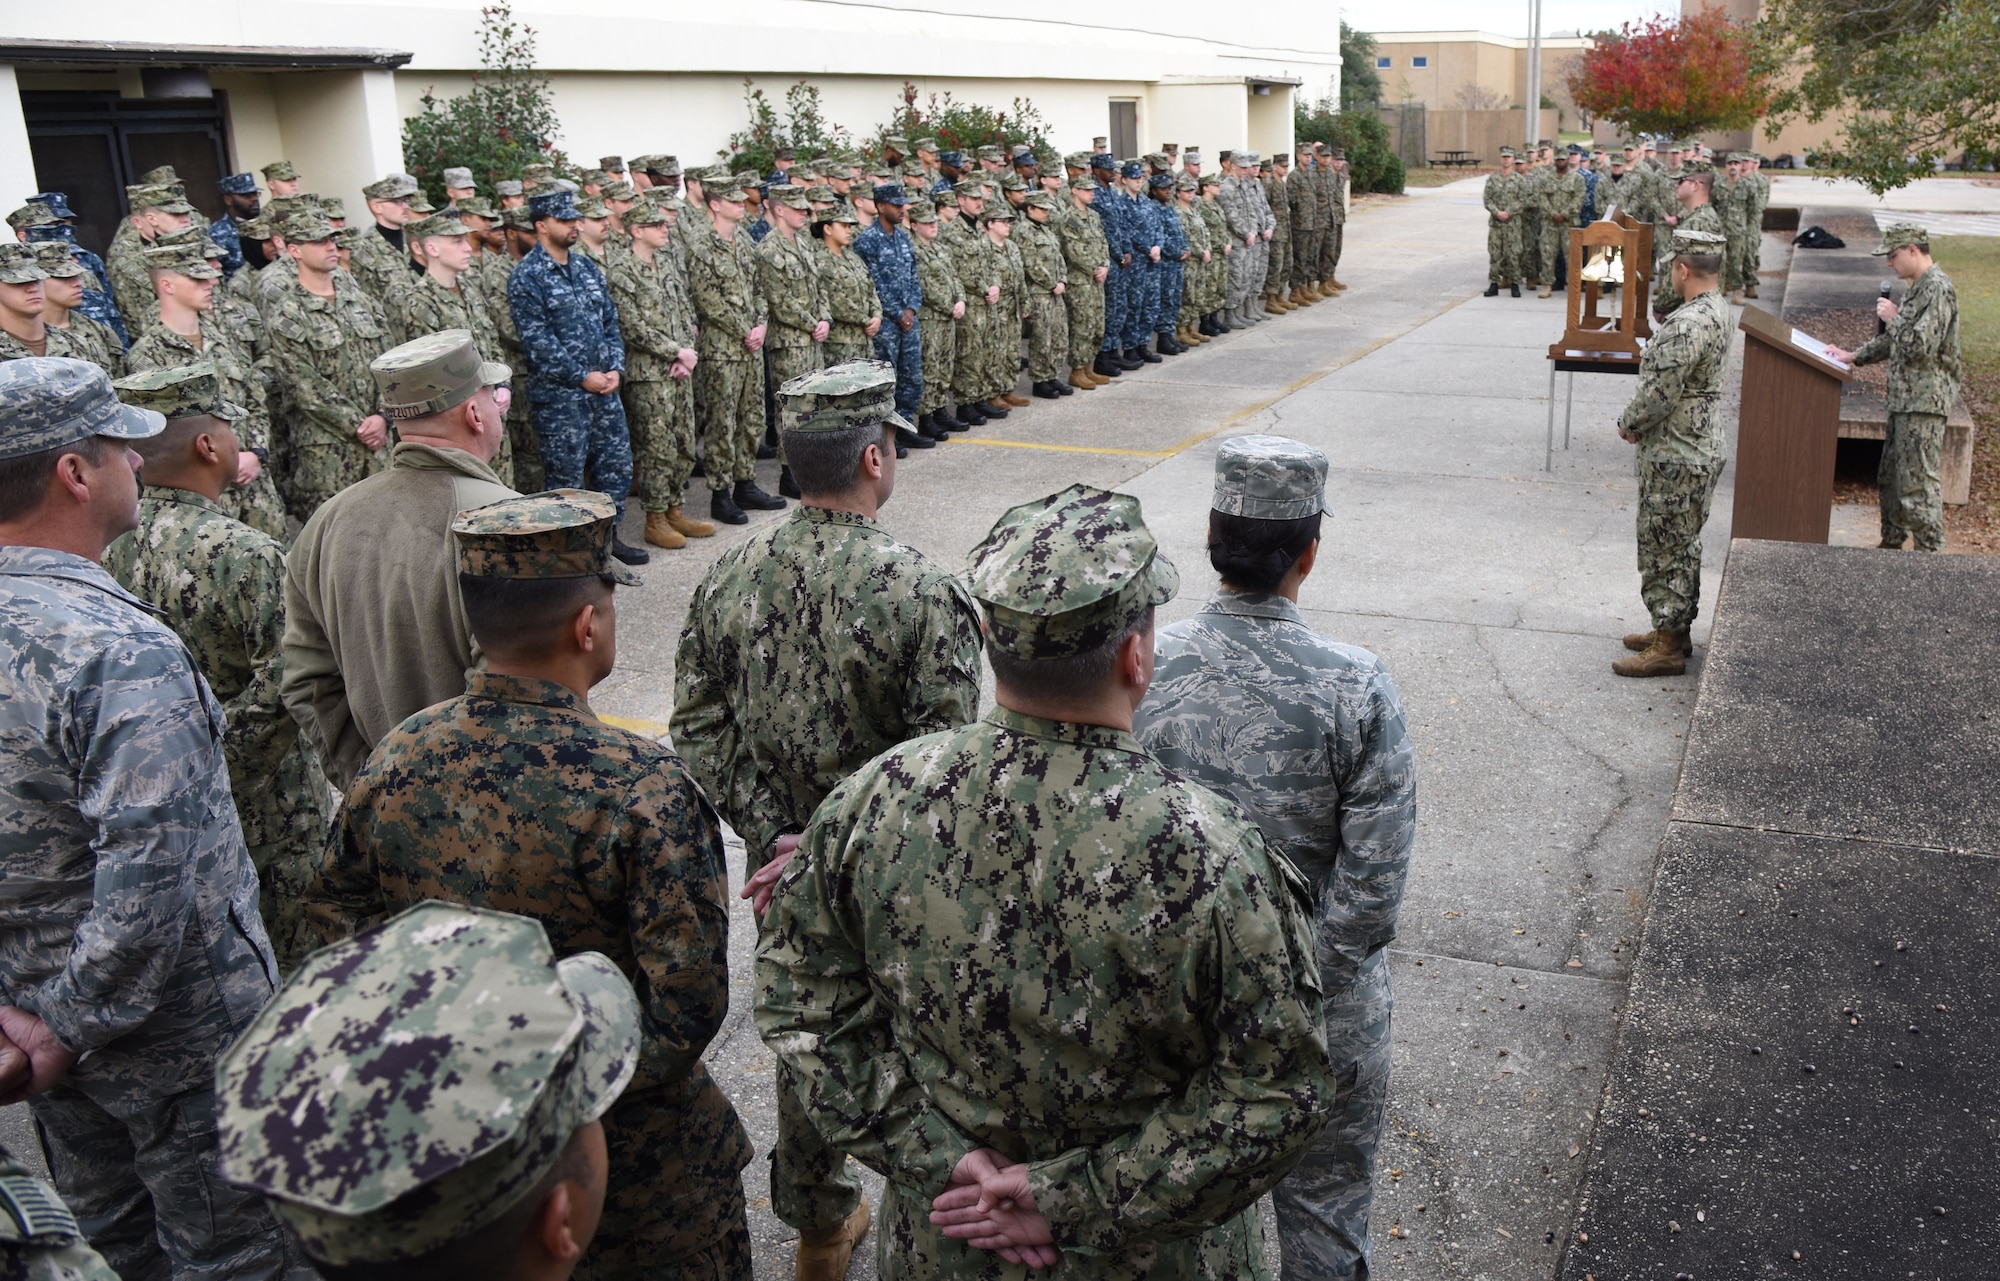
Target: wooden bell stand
1609,344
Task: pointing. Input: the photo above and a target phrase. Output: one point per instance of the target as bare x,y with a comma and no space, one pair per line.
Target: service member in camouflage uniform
1921,346
1730,197
1246,234
808,650
965,971
187,330
943,310
40,1240
1692,186
24,331
1505,197
979,276
656,321
221,586
382,261
1221,248
729,381
62,295
1086,266
447,295
850,294
324,331
128,917
1278,277
480,1156
791,267
496,269
47,218
1304,192
1760,198
1308,736
374,629
1675,419
1562,213
598,833
1048,320
1193,328
155,209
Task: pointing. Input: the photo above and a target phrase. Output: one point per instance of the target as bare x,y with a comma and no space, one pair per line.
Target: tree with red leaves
1674,77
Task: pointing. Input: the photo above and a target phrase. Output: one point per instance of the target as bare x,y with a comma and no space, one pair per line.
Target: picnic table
1453,158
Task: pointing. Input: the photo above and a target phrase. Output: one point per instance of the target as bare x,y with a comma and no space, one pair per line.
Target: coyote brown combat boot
660,533
1644,640
1666,656
689,526
825,1254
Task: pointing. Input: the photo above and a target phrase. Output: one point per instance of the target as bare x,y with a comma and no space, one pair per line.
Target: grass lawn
1439,175
1973,263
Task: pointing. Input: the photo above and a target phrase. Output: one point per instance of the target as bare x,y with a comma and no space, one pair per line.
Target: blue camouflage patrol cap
410,1084
891,194
1132,169
1269,478
1063,575
54,201
559,533
955,159
1160,180
1103,160
559,204
855,393
47,402
237,184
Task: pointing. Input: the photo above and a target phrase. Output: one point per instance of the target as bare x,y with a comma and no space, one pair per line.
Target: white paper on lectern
1806,342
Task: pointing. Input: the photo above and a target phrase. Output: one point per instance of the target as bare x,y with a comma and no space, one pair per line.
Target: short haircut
490,1250
170,447
1068,679
824,462
1706,178
1254,554
1701,264
24,481
522,617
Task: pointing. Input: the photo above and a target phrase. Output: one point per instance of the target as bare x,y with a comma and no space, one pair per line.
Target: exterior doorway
92,145
1124,132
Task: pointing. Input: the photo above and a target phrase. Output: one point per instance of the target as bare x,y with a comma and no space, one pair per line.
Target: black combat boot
1046,390
723,508
1515,289
621,550
910,440
1105,367
748,495
1144,355
971,414
1493,290
1062,388
944,420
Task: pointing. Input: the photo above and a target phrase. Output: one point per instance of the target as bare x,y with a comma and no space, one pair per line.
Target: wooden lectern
1789,426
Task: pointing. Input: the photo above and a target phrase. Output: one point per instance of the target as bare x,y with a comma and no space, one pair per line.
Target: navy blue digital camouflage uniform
1143,307
568,327
892,260
1173,272
223,232
1111,208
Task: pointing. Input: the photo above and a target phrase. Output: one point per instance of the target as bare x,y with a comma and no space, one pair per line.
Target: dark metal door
91,146
1124,128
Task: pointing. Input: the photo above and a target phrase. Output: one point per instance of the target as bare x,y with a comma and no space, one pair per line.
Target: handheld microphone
1881,325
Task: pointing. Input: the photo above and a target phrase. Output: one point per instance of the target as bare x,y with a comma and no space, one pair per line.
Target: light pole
1534,104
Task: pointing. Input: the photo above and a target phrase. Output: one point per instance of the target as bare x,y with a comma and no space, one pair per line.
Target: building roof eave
274,57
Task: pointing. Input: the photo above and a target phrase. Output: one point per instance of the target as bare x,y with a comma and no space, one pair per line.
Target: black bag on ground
1818,237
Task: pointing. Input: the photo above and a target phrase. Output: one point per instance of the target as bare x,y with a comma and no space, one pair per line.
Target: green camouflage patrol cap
1184,182
1697,165
411,1083
457,176
282,207
419,203
1010,181
664,165
395,186
1040,200
969,189
431,374
1083,182
839,213
55,259
822,194
157,195
661,197
1000,212
305,227
182,391
924,144
592,207
595,178
897,143
1695,241
537,173
790,197
258,228
347,237
280,171
47,402
190,239
619,189
477,207
520,218
32,214
559,533
1900,235
611,164
1077,160
18,265
858,393
1062,575
333,207
1269,478
645,213
990,152
922,210
160,175
438,224
724,188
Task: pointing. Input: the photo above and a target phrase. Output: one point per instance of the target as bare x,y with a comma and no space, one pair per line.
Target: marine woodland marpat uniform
128,916
809,649
1676,417
515,797
320,351
967,953
1921,346
221,586
1308,736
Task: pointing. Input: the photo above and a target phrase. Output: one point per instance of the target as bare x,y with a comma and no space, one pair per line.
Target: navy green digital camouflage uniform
1921,346
1677,415
656,321
729,379
967,953
1308,736
1704,219
937,276
810,648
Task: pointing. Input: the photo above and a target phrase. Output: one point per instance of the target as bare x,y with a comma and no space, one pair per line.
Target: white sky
1501,17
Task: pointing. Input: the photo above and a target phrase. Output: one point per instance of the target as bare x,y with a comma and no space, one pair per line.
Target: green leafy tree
804,129
1360,83
507,120
1371,163
963,126
1917,81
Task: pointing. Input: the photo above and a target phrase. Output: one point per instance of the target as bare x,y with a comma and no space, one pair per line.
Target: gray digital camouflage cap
1900,235
458,176
560,533
431,374
47,402
411,1083
181,391
437,224
1063,575
856,393
1269,478
18,265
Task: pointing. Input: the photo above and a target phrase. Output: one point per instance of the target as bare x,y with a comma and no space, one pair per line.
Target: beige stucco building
95,92
1471,70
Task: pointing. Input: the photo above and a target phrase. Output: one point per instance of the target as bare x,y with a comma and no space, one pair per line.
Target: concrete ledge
1864,415
1807,1049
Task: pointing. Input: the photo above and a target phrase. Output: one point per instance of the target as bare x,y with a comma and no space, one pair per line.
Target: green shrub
805,129
1362,134
507,120
964,126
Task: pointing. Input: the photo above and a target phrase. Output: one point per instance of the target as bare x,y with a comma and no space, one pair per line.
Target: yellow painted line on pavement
1075,449
651,729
